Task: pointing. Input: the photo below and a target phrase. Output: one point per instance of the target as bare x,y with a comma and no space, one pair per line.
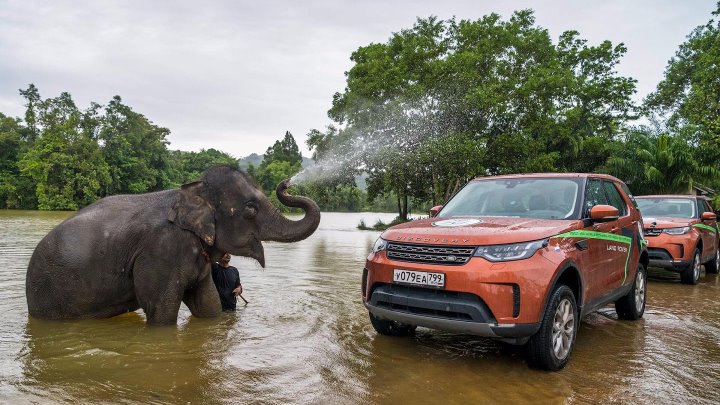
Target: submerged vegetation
380,225
436,105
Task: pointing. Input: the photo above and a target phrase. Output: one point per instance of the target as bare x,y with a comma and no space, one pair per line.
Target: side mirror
434,210
709,216
604,213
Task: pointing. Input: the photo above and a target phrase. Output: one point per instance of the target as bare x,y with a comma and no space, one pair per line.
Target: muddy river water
305,338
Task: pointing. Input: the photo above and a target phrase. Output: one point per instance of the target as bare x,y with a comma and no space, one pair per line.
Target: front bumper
444,310
512,292
671,252
504,331
662,259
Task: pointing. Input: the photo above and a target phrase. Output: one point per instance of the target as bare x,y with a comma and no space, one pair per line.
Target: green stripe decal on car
583,234
708,227
595,235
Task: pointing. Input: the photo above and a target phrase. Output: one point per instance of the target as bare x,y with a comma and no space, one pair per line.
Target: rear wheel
632,305
551,346
713,265
391,328
691,275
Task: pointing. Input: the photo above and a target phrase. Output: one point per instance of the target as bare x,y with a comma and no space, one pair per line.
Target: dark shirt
226,280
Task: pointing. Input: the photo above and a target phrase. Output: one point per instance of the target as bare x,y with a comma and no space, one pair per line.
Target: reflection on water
304,338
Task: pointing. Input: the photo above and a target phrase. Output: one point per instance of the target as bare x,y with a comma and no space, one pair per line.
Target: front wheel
551,346
632,305
713,265
691,274
391,328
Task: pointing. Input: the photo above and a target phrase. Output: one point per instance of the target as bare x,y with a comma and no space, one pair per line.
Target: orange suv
682,234
521,258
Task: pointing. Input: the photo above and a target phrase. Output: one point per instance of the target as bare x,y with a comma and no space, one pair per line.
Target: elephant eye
250,210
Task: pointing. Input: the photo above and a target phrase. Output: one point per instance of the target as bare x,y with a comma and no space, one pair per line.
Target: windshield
550,198
667,207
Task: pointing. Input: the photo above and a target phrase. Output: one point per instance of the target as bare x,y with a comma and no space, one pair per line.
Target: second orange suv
521,258
682,234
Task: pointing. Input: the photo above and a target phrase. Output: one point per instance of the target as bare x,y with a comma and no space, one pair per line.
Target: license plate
419,278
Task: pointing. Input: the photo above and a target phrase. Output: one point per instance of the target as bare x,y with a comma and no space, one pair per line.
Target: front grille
659,254
652,231
434,254
452,305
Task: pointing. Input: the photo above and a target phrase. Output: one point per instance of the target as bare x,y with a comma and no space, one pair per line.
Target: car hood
666,222
478,230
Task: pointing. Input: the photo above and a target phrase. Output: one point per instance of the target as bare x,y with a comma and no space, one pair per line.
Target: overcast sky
235,75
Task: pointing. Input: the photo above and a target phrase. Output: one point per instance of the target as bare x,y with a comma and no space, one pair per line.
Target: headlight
380,244
677,231
505,253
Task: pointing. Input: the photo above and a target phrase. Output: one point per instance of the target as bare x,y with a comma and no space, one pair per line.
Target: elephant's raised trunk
281,229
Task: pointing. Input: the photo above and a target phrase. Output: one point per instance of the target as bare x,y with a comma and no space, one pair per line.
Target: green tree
475,98
16,190
285,150
688,95
65,160
282,160
657,162
189,165
135,150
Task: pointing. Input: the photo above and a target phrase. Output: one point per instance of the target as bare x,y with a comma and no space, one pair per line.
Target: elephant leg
161,307
203,299
164,312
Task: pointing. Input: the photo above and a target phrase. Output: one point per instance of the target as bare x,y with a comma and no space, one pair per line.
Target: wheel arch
569,274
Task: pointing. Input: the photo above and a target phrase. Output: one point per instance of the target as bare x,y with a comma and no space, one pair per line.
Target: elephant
154,250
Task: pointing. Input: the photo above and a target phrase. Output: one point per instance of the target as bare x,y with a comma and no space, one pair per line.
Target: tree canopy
63,158
445,101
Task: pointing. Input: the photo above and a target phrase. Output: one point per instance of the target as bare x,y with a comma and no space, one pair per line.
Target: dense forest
437,104
62,158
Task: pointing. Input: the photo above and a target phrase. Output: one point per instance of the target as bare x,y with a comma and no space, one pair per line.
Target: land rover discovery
521,258
682,234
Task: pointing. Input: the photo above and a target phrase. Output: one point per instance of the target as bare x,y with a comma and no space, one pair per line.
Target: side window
705,207
700,207
629,194
594,195
614,197
710,207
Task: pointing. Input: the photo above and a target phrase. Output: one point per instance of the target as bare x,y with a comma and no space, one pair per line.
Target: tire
632,305
559,325
391,328
713,265
691,274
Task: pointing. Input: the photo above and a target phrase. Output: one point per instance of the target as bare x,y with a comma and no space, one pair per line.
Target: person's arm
238,285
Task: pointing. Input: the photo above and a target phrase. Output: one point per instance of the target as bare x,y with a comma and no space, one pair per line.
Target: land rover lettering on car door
519,258
682,234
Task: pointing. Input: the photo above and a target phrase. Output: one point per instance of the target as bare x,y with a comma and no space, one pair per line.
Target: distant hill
255,160
251,159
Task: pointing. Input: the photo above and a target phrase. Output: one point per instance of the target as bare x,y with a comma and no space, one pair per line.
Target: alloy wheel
639,291
696,267
563,329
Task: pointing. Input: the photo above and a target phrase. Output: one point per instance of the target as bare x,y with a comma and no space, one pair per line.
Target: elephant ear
193,213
